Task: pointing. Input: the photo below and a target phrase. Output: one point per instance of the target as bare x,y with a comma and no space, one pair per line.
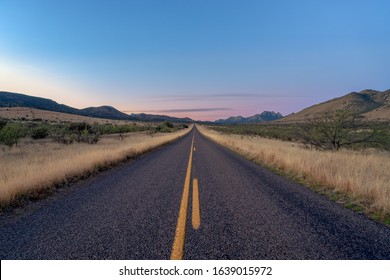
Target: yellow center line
178,243
195,204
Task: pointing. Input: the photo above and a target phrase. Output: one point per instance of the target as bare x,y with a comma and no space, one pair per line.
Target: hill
10,99
263,117
371,104
32,114
105,112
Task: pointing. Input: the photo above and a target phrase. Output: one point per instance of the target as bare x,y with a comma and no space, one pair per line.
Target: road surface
191,199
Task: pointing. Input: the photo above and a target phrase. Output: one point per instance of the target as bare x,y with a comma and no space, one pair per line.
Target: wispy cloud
186,110
218,96
194,110
192,97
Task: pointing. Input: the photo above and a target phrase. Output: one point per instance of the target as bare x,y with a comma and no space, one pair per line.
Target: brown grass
35,165
380,114
363,176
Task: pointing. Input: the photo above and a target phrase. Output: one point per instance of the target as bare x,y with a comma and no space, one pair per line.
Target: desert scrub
41,164
40,132
362,175
297,132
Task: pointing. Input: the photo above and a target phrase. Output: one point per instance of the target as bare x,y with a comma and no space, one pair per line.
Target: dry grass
363,176
380,114
36,165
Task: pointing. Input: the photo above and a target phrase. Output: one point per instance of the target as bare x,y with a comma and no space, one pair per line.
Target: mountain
263,117
10,99
105,112
371,104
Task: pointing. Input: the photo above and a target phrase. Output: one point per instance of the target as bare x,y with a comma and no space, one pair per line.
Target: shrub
168,124
62,135
88,137
11,133
39,132
79,127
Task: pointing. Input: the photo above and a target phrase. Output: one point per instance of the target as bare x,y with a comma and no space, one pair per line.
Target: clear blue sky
204,59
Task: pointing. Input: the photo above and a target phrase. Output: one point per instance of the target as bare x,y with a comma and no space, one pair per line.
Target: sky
204,59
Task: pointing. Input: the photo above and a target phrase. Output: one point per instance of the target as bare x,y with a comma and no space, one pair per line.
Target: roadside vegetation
74,132
357,177
332,131
37,156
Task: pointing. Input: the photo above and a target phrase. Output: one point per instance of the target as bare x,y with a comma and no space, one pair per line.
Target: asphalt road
245,212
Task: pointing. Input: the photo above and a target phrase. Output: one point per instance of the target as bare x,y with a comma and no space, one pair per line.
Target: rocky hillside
371,104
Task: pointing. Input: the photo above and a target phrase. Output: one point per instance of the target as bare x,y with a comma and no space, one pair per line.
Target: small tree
168,124
62,135
11,133
334,130
86,136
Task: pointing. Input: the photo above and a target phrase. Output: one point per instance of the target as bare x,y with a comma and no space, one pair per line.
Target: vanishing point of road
191,199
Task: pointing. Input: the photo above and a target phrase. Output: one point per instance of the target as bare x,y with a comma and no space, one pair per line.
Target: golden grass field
35,165
363,176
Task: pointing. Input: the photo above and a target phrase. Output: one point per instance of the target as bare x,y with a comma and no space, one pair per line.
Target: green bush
79,132
168,124
11,133
39,132
116,129
79,127
62,135
86,136
162,129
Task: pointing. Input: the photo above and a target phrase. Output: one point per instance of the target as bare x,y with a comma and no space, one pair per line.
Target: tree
168,124
334,130
11,133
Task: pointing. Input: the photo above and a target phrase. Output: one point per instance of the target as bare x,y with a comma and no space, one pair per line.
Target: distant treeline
68,133
319,135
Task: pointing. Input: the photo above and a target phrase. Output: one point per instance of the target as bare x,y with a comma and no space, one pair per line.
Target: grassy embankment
358,179
293,132
33,167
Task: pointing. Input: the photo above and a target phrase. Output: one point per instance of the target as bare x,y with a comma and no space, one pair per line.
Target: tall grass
35,165
363,176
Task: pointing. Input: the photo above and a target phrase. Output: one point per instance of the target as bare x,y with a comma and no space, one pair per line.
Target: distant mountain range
10,99
373,105
266,116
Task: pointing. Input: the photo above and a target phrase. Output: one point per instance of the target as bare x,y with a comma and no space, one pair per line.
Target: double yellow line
178,243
